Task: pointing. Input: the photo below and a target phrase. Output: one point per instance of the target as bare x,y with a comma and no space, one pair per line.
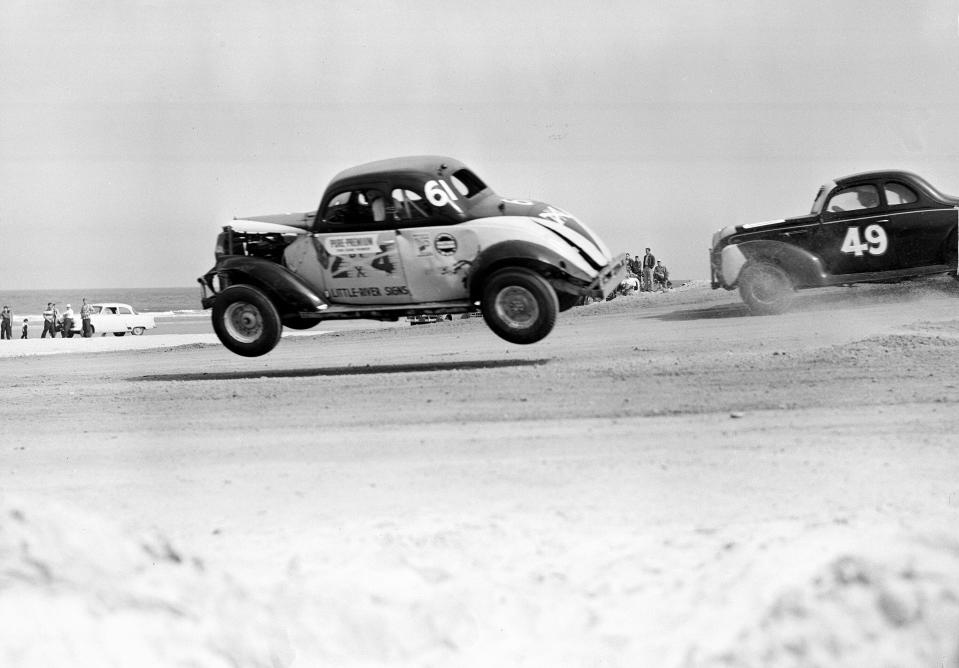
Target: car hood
277,223
558,221
764,225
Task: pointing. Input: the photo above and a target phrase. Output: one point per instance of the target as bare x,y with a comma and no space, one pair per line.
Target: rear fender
563,275
288,292
805,268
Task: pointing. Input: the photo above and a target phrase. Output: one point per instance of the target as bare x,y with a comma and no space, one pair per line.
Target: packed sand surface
664,481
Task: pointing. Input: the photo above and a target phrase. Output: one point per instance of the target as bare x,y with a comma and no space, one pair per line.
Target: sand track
659,465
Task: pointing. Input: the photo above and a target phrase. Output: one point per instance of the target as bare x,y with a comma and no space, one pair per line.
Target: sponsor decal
445,243
422,242
359,244
372,291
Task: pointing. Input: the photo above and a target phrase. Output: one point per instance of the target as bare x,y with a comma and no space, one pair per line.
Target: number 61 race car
875,226
404,237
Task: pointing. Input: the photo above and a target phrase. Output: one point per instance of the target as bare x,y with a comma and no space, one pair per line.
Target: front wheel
519,305
766,288
119,333
245,321
138,331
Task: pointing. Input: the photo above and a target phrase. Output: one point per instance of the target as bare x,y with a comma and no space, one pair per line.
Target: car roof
110,304
412,165
900,175
881,174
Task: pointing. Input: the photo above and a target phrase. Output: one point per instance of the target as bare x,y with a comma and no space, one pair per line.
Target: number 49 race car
404,237
874,226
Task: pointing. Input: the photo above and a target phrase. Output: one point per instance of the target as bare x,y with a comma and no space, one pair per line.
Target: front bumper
609,278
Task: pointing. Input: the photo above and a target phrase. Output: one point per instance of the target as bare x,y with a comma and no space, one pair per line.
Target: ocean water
157,301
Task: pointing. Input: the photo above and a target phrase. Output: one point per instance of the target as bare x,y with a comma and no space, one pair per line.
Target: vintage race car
874,226
114,318
404,237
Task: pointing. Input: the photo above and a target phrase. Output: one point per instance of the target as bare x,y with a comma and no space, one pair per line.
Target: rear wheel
519,305
119,333
766,288
245,321
137,331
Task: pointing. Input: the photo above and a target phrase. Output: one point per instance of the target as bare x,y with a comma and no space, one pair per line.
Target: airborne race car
874,226
404,237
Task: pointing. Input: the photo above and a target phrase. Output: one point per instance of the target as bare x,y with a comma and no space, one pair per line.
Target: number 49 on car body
876,241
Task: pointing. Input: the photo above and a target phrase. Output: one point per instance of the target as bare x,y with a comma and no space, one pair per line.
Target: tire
138,331
119,333
245,321
519,305
766,288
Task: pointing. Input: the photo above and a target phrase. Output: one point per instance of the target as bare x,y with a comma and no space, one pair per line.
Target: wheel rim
243,321
516,307
768,287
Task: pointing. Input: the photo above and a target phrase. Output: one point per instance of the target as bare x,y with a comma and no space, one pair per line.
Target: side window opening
356,207
409,205
898,194
854,199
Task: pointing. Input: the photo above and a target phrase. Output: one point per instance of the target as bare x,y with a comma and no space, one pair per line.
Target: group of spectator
646,274
54,322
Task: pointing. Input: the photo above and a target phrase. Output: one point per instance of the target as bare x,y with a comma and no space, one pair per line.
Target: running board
391,312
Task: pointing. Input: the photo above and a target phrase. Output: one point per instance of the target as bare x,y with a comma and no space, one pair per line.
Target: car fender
521,253
287,290
806,269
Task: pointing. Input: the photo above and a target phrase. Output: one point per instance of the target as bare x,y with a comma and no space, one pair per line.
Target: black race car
873,226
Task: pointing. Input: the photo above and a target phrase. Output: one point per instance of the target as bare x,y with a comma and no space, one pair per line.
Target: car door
353,257
106,320
436,257
853,237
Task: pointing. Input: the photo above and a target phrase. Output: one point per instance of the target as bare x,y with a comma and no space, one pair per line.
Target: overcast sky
130,131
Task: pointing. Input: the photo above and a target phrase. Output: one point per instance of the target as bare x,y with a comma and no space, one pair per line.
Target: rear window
898,194
466,182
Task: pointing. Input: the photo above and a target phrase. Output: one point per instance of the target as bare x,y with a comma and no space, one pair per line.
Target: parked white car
114,318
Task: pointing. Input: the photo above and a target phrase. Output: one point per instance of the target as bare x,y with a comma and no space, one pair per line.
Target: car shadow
712,312
343,371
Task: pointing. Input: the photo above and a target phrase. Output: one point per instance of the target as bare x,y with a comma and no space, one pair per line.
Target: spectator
57,324
24,329
85,311
48,322
6,323
649,262
661,276
68,322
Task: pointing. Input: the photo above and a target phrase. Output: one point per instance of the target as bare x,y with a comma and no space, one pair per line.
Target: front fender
518,253
289,292
806,269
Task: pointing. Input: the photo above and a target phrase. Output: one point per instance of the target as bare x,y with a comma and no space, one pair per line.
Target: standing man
68,323
6,323
48,321
649,262
85,311
56,320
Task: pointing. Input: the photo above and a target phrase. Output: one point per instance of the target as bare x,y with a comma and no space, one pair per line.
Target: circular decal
445,244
